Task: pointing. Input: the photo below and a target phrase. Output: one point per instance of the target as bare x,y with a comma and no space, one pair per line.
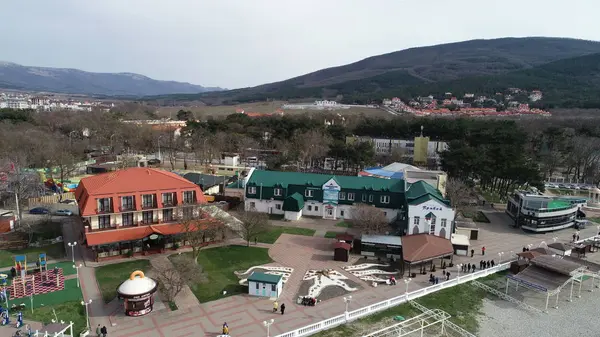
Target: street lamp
72,245
87,313
347,300
407,281
268,324
77,271
500,255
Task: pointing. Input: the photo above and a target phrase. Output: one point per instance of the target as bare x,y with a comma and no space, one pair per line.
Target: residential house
210,184
138,210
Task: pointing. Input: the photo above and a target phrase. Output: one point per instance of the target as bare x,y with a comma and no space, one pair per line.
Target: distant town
24,101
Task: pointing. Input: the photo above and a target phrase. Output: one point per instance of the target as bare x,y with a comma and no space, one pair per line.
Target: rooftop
425,247
421,191
283,179
382,239
264,278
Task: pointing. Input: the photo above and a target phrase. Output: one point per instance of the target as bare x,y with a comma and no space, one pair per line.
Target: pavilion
423,248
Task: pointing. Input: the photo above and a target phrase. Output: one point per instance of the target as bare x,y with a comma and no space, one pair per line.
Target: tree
253,224
172,278
368,219
199,228
185,115
461,196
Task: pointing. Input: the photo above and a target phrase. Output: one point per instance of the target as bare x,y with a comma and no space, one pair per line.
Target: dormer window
277,192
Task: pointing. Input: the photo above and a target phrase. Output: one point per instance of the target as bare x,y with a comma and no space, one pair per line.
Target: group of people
276,305
101,331
467,268
436,280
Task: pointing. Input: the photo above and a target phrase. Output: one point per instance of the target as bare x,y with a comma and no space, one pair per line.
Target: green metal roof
264,278
420,191
283,179
293,203
554,204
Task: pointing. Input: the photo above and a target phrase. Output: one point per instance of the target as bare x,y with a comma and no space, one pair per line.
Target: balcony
189,202
149,222
169,203
126,208
103,210
149,206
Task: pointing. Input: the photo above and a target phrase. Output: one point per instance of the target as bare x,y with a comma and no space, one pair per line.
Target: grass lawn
218,265
595,219
112,275
331,235
492,197
271,235
463,302
53,252
343,224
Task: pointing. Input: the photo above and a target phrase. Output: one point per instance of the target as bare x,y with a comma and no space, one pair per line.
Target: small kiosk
138,293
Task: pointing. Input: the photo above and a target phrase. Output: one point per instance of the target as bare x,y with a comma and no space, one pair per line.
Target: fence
392,302
61,333
50,199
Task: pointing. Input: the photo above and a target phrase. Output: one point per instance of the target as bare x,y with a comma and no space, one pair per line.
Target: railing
392,302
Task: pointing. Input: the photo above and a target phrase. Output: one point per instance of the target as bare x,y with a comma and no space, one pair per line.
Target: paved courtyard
245,314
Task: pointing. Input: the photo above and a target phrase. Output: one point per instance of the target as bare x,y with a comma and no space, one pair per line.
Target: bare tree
462,197
172,278
368,219
310,146
198,230
253,224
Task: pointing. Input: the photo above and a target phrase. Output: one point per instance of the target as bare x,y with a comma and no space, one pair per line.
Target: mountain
74,81
414,66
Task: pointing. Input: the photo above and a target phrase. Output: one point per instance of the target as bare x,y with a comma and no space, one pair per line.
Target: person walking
469,267
472,252
104,331
98,331
282,308
577,237
488,264
474,267
493,263
275,306
483,250
447,276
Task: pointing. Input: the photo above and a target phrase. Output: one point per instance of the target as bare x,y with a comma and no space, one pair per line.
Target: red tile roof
137,233
423,247
133,180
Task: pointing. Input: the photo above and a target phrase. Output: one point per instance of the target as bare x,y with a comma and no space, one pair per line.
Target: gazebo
423,248
138,292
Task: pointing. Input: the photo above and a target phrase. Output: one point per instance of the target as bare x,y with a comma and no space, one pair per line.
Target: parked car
63,212
68,201
39,210
154,162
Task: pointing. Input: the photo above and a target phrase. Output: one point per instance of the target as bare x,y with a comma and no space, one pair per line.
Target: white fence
392,302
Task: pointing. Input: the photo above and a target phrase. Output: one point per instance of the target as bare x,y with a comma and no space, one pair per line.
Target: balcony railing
189,202
103,210
125,208
149,206
148,222
169,203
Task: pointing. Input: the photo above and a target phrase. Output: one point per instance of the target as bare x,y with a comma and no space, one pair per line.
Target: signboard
431,208
331,192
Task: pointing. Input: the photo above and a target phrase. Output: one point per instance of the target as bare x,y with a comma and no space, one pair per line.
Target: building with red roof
138,210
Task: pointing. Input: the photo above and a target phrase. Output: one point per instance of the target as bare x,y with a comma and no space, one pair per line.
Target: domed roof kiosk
138,293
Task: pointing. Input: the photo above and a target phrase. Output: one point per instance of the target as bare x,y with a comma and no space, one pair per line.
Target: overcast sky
238,43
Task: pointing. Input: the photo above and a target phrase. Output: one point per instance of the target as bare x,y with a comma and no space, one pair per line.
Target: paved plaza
245,314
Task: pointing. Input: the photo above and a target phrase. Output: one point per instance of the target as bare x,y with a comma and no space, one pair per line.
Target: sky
240,43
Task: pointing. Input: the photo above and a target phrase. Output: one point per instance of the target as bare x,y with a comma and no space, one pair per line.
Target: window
189,197
127,203
188,213
342,214
370,197
252,190
148,201
147,217
432,230
277,192
364,198
104,205
104,221
167,199
350,196
342,196
432,220
127,219
278,206
309,193
252,205
309,207
443,223
416,220
316,208
257,286
384,199
167,214
273,287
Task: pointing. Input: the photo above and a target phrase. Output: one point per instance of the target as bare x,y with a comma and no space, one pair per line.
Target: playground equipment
40,282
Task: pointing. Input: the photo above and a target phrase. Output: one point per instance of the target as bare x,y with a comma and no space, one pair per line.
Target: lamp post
347,300
87,313
500,255
407,281
268,324
72,245
77,271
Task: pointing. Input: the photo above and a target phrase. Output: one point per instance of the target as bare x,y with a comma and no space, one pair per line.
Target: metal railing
392,302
